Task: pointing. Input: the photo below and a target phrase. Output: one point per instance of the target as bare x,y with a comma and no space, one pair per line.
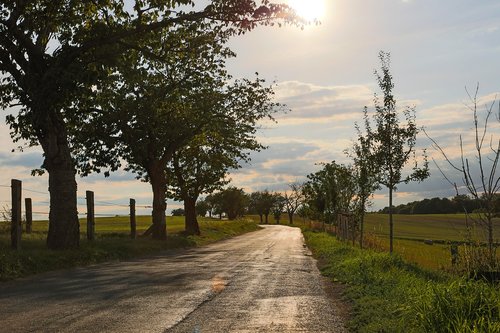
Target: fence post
29,214
15,227
90,215
133,232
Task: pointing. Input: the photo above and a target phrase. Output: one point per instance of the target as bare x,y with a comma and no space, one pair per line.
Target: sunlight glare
310,10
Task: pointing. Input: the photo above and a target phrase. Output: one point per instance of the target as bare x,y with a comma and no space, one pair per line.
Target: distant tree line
458,204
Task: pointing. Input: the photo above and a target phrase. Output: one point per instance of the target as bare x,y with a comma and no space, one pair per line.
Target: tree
262,202
364,174
178,212
53,53
329,192
202,165
202,207
234,202
293,200
392,145
478,169
279,206
152,106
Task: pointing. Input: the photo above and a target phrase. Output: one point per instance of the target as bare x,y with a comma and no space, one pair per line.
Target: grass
445,227
391,295
112,243
411,231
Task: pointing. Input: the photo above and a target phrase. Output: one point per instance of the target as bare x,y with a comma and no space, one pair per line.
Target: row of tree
458,204
380,154
139,84
384,154
234,202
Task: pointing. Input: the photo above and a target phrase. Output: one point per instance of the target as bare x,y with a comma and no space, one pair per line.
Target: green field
112,242
410,231
446,227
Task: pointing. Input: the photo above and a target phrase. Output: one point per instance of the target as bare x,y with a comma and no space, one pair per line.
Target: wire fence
41,205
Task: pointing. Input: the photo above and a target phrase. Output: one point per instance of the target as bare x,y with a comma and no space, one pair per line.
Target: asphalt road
264,281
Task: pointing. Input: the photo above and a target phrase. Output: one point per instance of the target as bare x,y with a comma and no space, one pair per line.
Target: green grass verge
390,295
112,243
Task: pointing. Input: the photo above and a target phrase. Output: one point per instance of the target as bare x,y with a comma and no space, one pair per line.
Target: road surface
264,281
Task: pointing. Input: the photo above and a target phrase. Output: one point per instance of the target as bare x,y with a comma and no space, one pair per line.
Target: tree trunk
267,218
64,228
391,224
290,218
159,186
261,220
190,220
361,229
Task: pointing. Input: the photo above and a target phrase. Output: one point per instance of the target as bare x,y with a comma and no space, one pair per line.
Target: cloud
310,101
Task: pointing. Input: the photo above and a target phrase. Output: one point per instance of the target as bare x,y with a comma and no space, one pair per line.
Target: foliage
365,175
202,207
458,204
278,207
233,202
391,144
262,203
329,191
178,212
54,54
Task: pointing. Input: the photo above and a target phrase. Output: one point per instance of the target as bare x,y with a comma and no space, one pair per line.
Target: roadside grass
391,295
112,243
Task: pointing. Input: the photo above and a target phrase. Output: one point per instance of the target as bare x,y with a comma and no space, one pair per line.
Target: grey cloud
26,159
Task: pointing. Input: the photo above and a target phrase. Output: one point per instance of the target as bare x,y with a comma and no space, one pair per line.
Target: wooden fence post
133,231
90,215
29,214
15,227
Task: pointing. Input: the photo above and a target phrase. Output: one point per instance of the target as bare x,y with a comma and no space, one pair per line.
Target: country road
264,281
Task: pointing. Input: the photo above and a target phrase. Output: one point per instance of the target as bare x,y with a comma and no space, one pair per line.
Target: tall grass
391,295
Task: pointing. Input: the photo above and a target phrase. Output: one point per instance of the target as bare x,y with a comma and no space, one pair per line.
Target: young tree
53,53
392,145
293,200
480,178
364,172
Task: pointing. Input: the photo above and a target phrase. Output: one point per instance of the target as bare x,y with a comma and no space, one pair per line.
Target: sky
324,74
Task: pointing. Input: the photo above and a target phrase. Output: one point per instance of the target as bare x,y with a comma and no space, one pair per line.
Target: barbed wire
34,191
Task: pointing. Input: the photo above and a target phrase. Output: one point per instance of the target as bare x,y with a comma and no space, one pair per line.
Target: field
410,231
112,243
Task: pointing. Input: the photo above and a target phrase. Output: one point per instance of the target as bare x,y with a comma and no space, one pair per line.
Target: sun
309,10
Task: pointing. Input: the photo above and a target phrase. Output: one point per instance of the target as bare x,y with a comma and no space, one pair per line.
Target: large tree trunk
64,228
290,218
159,186
191,222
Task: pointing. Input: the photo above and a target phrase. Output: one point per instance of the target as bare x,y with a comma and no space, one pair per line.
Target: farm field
445,227
112,242
410,231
